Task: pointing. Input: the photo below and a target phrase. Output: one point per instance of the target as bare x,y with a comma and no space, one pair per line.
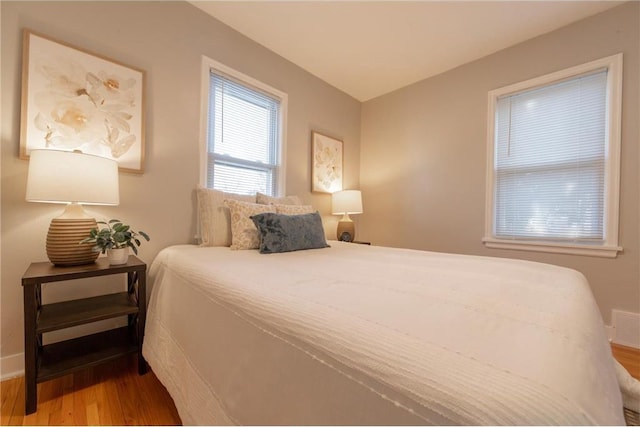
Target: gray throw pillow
287,233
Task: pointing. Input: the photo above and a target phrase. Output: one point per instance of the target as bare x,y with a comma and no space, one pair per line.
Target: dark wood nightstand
45,362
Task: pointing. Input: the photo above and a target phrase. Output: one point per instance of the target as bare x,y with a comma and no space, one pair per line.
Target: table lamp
73,178
344,203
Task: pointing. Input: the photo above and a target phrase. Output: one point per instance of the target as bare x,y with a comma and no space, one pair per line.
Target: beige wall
167,40
423,151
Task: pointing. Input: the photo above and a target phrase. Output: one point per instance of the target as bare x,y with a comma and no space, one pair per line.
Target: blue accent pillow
287,233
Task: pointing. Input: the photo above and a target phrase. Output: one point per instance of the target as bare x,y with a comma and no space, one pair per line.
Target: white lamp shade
346,202
65,176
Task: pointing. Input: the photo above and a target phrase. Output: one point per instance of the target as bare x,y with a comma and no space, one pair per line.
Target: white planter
118,256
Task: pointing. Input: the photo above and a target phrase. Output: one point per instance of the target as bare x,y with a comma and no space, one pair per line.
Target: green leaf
119,237
120,227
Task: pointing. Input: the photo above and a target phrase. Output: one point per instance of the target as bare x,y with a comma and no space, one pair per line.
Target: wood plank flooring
110,394
629,358
114,394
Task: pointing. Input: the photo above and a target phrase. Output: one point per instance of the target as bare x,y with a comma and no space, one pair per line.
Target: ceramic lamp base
346,231
63,241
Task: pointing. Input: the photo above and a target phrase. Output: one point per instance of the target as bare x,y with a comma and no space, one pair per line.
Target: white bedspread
440,338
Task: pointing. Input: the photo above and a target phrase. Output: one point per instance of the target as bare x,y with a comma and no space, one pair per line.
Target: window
243,137
553,162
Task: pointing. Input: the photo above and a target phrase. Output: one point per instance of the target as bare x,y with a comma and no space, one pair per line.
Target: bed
364,335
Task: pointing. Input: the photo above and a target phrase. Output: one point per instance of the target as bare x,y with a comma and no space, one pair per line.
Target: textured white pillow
263,199
294,209
244,234
214,217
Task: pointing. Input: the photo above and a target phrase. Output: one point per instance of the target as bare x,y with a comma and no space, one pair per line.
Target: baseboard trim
11,366
626,325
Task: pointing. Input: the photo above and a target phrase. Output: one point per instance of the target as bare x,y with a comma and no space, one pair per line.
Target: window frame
609,248
209,65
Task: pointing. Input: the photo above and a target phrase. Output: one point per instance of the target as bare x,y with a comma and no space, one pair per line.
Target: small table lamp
76,179
344,203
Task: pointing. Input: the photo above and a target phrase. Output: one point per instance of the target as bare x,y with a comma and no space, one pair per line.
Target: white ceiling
369,48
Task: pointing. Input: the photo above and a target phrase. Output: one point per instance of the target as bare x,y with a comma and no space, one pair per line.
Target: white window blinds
549,160
243,139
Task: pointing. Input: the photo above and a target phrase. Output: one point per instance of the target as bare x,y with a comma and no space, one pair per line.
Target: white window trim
209,64
610,246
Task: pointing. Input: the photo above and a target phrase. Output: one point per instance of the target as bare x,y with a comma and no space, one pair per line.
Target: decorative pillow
263,199
213,215
244,234
294,209
286,233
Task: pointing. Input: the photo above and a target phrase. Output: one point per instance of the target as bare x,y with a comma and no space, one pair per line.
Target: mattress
356,334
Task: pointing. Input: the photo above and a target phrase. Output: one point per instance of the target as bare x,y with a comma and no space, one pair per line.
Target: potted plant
115,239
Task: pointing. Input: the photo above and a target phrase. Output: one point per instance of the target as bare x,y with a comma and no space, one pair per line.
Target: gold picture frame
73,99
326,163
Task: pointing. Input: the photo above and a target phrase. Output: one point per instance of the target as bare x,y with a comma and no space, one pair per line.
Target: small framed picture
75,100
326,163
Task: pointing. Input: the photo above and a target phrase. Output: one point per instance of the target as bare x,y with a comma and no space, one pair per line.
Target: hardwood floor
110,394
114,394
629,358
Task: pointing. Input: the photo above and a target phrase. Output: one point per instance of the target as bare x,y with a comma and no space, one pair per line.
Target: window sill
557,248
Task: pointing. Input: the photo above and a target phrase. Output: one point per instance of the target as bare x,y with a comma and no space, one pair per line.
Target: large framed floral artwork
326,169
75,100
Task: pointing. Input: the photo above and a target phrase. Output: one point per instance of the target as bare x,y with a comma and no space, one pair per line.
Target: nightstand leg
30,343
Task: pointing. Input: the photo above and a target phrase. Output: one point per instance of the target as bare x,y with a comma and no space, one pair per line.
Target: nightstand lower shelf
62,358
86,310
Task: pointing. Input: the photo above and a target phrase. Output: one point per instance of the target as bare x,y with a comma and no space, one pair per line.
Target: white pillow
294,209
214,217
244,234
263,199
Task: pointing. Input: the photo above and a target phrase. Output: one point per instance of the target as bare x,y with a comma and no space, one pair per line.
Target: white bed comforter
461,339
